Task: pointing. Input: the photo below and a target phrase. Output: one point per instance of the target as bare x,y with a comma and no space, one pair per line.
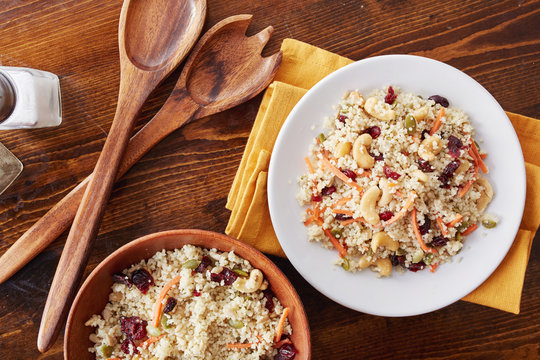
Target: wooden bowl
93,294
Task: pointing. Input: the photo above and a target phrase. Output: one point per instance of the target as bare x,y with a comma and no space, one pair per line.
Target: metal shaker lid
7,97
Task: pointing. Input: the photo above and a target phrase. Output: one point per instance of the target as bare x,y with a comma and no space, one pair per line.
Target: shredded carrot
344,212
456,220
442,226
365,173
437,123
434,267
470,229
279,329
479,158
309,220
239,346
310,167
483,156
151,340
418,235
260,338
335,242
350,221
282,342
341,201
340,175
403,211
114,359
399,194
466,188
159,305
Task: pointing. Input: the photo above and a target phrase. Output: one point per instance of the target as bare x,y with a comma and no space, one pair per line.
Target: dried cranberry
390,96
133,327
424,228
373,131
342,118
349,173
418,266
328,190
379,157
316,198
342,217
196,293
269,296
439,241
169,305
390,174
286,352
229,276
454,146
122,279
439,100
125,346
142,280
216,277
424,134
205,262
386,215
448,172
397,260
425,166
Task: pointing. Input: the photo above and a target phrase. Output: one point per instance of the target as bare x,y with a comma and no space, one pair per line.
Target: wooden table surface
183,182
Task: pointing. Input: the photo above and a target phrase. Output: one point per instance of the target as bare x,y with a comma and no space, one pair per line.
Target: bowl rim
327,81
289,288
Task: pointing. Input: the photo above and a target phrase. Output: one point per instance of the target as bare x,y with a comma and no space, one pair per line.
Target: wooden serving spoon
225,69
154,37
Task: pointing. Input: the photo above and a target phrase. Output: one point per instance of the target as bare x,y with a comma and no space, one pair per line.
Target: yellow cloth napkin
302,67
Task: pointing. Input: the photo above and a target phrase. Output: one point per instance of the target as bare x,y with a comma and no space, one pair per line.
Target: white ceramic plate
408,293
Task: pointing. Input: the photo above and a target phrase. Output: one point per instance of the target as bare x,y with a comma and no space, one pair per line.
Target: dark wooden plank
183,182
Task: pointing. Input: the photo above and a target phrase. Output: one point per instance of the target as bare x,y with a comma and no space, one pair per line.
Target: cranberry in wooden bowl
94,293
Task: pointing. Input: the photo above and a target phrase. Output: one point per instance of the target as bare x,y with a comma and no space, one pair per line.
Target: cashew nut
93,338
421,113
430,146
383,239
386,196
106,314
384,266
379,109
355,97
249,285
486,194
343,149
367,205
360,152
364,262
420,175
463,167
116,296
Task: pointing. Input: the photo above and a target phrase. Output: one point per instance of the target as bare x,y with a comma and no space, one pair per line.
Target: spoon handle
86,223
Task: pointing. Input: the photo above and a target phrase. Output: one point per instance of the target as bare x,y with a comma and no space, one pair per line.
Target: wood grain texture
183,182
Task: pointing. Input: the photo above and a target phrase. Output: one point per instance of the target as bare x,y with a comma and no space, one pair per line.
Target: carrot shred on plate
437,123
442,226
479,158
308,163
466,188
418,235
470,229
456,220
341,201
342,211
279,329
342,251
340,175
403,211
159,302
151,340
434,267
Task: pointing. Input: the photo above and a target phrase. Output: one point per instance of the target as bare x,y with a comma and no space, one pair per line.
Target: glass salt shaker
29,98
